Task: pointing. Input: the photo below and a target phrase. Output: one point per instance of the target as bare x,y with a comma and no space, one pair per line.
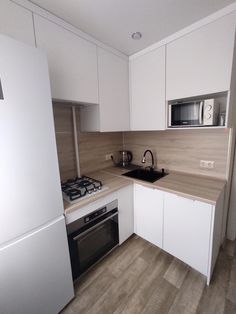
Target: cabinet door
187,229
16,22
126,212
113,75
200,63
147,84
148,214
72,62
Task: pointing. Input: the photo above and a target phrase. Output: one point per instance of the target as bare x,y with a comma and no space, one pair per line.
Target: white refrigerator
35,272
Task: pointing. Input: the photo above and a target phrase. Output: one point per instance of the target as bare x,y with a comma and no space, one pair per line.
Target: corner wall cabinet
72,62
16,22
200,62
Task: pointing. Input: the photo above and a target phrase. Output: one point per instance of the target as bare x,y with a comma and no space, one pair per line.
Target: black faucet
144,158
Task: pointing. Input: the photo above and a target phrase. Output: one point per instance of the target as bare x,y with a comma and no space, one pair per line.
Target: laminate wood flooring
138,277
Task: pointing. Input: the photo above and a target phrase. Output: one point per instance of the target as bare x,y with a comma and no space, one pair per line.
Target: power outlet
108,156
207,164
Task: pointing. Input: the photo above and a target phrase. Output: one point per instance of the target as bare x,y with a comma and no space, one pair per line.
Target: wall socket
108,156
207,164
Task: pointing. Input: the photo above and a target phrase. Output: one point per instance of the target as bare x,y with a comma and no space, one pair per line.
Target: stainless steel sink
146,175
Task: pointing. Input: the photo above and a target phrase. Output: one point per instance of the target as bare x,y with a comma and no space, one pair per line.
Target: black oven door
92,242
186,114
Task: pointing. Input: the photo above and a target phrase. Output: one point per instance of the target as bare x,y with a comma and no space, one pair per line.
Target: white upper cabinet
201,62
147,88
16,22
72,62
113,76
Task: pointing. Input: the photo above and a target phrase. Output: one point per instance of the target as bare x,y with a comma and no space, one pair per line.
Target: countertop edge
123,181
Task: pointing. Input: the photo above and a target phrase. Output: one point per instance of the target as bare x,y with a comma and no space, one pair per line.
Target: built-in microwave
193,113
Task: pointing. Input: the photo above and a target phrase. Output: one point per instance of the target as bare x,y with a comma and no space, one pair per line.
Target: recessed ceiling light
136,35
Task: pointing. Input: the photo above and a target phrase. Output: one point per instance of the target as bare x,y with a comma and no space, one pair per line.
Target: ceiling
113,21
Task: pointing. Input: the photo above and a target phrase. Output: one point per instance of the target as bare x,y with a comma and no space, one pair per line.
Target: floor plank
119,290
161,298
138,277
146,284
118,266
213,298
189,295
176,273
93,292
231,295
230,308
229,248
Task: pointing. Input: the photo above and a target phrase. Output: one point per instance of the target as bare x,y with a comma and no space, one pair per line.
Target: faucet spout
144,158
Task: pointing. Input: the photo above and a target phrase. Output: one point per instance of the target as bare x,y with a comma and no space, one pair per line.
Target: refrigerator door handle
1,92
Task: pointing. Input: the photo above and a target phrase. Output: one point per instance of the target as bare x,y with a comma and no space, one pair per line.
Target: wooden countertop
196,187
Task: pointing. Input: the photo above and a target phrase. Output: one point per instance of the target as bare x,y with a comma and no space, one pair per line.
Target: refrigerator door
35,273
29,182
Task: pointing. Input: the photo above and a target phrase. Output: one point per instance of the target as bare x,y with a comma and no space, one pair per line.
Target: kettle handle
130,156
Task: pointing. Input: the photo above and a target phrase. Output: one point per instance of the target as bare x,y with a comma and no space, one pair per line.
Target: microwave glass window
185,114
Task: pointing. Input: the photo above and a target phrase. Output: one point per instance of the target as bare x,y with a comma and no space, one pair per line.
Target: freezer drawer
35,272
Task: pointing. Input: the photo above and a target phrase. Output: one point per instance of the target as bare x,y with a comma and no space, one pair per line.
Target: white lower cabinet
148,214
126,212
187,230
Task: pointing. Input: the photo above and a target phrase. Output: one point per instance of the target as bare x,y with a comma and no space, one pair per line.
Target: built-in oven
92,237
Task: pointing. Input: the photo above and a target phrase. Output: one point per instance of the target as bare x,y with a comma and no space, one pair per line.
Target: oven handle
94,227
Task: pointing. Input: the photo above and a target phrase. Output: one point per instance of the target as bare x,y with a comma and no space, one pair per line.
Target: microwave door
186,114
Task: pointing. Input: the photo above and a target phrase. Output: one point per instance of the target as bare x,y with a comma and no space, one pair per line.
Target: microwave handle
201,112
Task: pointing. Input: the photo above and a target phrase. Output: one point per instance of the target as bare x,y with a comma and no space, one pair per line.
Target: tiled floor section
141,278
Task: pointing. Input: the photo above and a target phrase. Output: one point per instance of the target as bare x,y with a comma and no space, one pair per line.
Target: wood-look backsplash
92,146
182,150
179,150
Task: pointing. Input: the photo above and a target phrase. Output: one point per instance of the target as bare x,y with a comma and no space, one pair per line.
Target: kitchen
105,102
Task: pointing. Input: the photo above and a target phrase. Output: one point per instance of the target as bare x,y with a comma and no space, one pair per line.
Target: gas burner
80,187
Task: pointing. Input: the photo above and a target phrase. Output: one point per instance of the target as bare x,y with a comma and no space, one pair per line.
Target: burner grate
79,187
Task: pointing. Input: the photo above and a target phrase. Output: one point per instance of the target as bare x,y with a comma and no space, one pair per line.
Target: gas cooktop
79,188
